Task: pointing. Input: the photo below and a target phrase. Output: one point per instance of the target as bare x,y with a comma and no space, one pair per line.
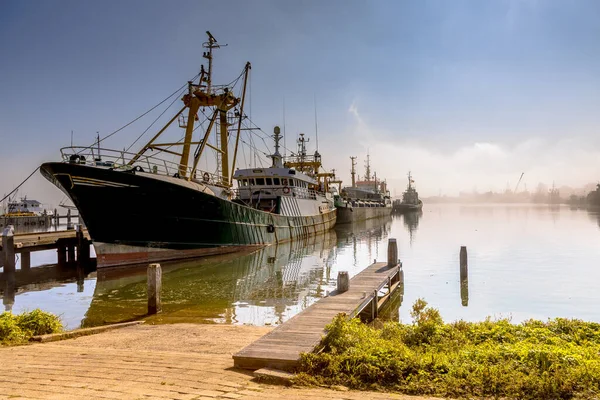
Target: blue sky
464,93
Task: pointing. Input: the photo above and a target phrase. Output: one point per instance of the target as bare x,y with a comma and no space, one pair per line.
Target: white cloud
483,165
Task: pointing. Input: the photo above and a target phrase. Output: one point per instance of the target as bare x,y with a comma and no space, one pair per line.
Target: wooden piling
154,283
392,253
464,277
343,281
463,258
25,260
71,252
61,253
8,246
83,246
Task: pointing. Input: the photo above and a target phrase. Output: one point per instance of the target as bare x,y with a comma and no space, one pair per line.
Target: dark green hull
136,217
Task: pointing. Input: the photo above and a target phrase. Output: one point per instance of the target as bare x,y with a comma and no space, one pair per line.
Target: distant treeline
586,197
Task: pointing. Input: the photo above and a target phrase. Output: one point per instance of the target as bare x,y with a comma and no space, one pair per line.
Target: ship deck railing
119,160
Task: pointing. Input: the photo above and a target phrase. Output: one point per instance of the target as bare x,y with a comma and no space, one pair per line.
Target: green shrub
18,329
558,359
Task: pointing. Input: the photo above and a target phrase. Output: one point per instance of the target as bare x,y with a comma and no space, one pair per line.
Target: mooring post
71,252
8,247
154,288
463,261
61,252
392,253
464,277
343,281
83,247
25,261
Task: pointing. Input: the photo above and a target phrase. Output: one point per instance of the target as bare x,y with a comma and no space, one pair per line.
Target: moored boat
142,207
365,199
410,199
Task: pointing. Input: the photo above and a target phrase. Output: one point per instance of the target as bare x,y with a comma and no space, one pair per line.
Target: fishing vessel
141,207
365,199
410,199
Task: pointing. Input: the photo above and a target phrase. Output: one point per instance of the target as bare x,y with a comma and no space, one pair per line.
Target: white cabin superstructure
283,190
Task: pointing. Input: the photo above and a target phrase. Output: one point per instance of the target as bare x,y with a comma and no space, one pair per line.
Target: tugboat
363,200
141,208
410,199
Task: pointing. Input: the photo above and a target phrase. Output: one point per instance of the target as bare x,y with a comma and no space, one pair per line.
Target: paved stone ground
182,361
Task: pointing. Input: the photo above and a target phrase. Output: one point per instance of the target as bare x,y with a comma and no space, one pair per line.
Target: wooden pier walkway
35,241
281,348
25,243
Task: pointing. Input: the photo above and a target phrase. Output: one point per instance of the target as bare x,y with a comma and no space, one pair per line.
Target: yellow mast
204,95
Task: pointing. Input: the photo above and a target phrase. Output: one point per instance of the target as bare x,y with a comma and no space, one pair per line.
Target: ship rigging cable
141,116
20,184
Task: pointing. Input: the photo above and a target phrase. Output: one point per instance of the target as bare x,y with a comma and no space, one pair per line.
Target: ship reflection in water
411,223
263,287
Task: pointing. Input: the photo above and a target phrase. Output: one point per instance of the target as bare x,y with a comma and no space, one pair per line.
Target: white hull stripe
77,180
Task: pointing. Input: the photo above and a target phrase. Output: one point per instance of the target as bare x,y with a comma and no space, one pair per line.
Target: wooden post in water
71,252
154,283
61,252
25,261
392,253
464,277
8,248
83,247
343,281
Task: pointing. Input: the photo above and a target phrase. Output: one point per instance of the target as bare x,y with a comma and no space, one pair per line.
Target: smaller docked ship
410,199
24,212
365,199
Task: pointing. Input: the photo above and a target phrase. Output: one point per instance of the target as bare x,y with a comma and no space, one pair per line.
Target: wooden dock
281,348
64,241
43,240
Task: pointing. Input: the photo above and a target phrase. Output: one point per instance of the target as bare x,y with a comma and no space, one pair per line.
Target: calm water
525,262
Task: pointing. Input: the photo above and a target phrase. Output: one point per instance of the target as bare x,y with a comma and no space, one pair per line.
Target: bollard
8,248
154,277
343,281
392,253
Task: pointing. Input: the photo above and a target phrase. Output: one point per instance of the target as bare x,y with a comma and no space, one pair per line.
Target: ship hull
137,217
404,208
346,215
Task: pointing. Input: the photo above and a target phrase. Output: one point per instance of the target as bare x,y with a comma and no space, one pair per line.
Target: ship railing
120,160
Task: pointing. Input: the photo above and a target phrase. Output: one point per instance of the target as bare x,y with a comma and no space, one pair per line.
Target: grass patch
557,359
18,329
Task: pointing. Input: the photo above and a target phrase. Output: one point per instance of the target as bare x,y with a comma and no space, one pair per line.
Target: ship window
276,181
251,181
291,182
269,181
260,181
284,181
